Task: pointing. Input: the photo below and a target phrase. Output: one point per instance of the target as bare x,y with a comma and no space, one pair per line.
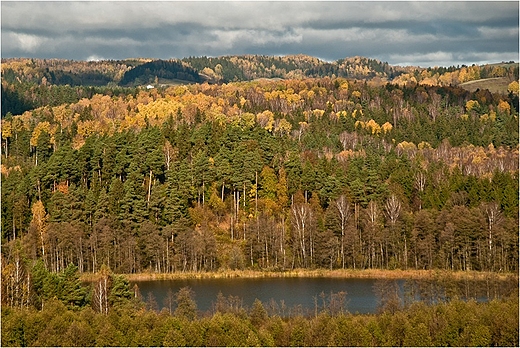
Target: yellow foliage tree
359,124
504,107
63,114
318,113
424,145
7,132
513,87
39,223
40,127
472,104
342,114
283,127
7,129
373,127
247,120
386,127
355,113
406,147
156,112
266,120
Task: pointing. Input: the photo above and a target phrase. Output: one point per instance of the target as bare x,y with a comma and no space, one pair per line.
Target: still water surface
292,292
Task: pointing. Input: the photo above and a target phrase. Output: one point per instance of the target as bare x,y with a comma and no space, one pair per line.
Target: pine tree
72,292
120,294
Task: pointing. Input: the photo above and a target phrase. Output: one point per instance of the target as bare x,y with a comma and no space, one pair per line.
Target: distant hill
250,67
140,71
160,69
65,72
28,83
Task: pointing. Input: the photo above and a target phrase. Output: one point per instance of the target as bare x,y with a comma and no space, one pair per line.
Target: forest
294,171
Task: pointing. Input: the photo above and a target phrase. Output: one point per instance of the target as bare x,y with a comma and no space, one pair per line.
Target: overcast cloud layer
404,33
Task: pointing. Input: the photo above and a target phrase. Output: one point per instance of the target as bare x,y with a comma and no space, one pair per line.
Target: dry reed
318,273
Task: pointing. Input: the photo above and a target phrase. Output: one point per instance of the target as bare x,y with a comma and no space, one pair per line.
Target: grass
304,273
172,82
494,85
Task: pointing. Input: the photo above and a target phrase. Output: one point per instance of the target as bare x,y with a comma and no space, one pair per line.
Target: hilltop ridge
241,68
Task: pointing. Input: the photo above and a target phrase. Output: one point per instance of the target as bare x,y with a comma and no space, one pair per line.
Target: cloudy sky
407,33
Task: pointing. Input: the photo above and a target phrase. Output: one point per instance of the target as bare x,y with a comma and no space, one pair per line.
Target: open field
494,85
346,273
173,82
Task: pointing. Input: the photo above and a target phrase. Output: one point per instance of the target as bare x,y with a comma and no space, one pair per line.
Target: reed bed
319,273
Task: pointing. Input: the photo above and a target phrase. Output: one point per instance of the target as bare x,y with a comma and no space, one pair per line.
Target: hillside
151,72
493,84
272,174
32,83
237,68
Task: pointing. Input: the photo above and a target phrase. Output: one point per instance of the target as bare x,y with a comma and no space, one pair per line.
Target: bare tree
301,220
434,105
494,217
344,211
349,140
392,209
170,154
16,281
398,102
101,291
419,184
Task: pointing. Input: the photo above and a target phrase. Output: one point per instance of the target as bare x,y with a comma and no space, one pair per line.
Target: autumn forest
252,163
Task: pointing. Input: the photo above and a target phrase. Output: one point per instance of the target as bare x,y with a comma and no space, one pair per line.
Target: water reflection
307,296
287,295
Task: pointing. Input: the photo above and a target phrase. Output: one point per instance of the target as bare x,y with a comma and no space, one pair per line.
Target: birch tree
344,210
302,215
493,217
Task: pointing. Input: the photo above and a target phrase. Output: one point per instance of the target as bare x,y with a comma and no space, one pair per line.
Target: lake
290,295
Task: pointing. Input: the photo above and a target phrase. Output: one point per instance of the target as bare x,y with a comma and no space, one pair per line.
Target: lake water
294,294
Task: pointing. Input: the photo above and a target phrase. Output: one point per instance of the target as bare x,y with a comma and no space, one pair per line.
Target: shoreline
318,273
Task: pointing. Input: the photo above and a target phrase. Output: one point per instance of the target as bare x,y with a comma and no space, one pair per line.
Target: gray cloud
418,33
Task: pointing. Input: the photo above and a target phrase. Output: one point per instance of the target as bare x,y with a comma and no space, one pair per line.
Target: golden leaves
504,107
43,127
7,129
424,145
156,112
472,104
406,146
283,127
266,120
386,127
513,87
318,113
356,94
39,218
372,126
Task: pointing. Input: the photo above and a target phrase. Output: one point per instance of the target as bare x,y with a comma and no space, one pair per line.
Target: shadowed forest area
305,168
